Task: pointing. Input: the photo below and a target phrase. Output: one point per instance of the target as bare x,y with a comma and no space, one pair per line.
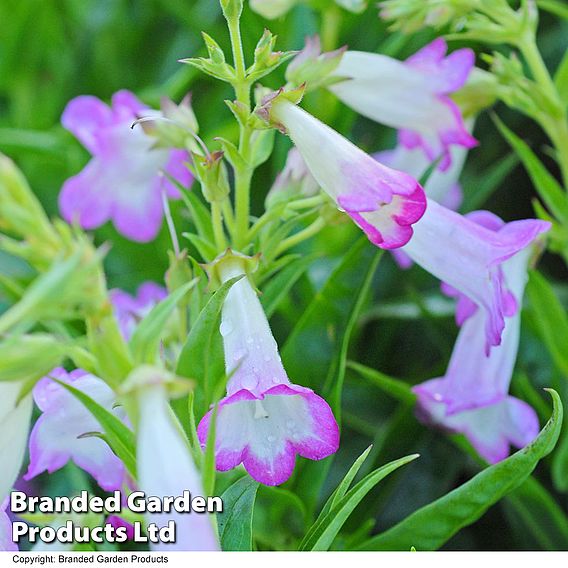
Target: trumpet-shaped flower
165,468
469,257
264,421
384,202
130,310
410,95
472,398
441,186
126,176
59,433
15,422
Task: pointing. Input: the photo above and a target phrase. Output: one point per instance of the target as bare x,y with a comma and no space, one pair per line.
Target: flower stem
218,232
302,235
557,126
243,174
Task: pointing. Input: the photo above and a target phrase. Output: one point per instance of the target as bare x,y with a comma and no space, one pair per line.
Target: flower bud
213,176
313,67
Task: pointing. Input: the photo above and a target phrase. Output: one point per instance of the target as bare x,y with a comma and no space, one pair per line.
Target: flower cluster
102,371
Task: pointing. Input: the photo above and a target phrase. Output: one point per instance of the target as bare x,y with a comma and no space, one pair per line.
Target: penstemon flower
469,257
384,202
129,310
264,421
165,468
127,174
441,186
6,543
472,398
57,436
15,422
410,95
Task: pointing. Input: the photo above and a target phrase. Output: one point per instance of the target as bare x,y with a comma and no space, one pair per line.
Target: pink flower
57,438
469,257
441,186
384,202
264,421
411,96
472,398
130,310
124,180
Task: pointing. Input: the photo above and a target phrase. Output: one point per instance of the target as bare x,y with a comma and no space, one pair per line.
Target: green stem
301,236
330,26
219,233
532,56
557,126
243,174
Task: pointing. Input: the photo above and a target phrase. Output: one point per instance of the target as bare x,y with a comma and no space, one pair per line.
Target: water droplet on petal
249,340
271,438
290,424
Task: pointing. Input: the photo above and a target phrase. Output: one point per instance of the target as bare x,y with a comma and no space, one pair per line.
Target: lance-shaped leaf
201,356
117,435
146,339
235,523
326,528
433,525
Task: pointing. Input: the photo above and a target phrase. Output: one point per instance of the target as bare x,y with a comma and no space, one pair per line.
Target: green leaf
394,387
556,7
118,436
261,146
345,484
561,79
550,319
325,529
235,522
539,514
279,286
204,247
199,214
145,340
433,525
197,359
322,337
319,333
548,188
481,187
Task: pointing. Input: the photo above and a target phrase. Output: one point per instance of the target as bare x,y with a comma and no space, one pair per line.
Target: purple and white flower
469,257
410,95
130,310
384,202
6,542
15,420
472,398
265,420
165,467
126,176
441,186
58,435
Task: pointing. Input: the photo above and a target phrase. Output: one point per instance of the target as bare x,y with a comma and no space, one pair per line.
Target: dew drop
290,424
271,438
250,340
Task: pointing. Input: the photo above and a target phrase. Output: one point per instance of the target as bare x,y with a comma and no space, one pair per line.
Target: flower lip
266,430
